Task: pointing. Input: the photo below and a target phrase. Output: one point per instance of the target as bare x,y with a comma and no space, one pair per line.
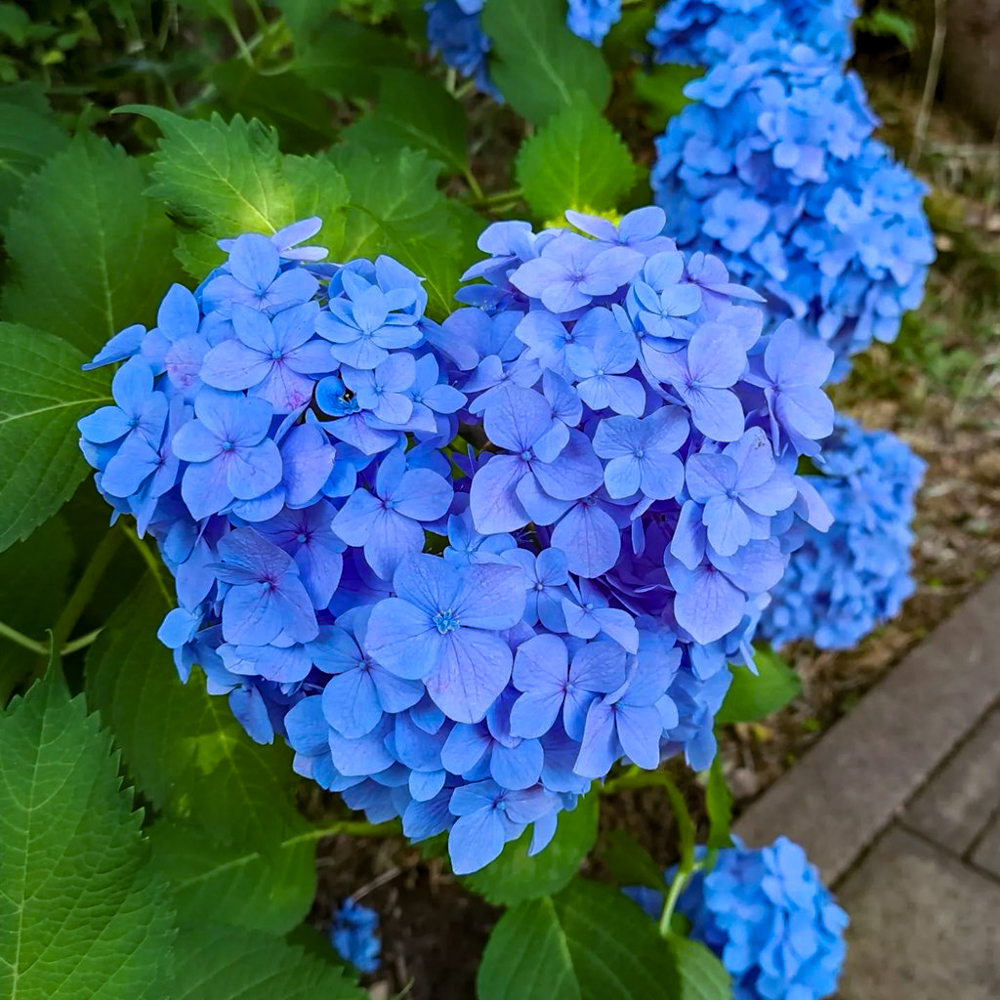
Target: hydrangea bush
766,914
842,584
457,510
774,169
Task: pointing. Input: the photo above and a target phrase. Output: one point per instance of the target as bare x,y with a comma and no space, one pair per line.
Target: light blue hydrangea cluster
705,32
774,925
599,449
842,584
455,32
354,935
774,169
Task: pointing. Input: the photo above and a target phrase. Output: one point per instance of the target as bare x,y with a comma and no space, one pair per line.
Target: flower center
228,445
445,621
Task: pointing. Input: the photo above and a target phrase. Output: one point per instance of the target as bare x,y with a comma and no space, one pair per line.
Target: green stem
477,191
152,563
673,894
32,645
501,198
241,43
348,827
75,645
85,588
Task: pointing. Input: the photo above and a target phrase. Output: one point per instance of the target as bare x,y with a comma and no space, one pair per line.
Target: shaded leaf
89,253
630,863
662,89
753,698
81,913
514,877
539,65
42,395
575,160
701,974
719,805
414,112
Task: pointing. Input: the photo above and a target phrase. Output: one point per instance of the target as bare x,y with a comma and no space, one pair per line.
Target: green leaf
223,179
702,976
345,59
81,913
42,395
396,208
630,863
84,228
885,22
575,160
222,963
587,943
282,100
753,698
188,753
14,23
539,65
260,888
514,877
414,112
662,89
28,137
719,804
33,578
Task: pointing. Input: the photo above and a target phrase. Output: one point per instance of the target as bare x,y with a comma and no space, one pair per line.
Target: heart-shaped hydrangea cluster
842,584
465,568
774,169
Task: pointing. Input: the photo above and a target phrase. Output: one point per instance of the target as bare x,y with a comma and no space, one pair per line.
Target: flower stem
348,827
152,564
85,588
32,645
674,894
75,645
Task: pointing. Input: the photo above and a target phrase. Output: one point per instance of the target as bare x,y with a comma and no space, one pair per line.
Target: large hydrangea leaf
89,253
540,64
228,835
82,913
751,698
587,943
575,161
42,395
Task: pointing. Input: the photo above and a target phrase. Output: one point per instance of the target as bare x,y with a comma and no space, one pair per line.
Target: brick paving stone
987,852
958,802
855,780
924,926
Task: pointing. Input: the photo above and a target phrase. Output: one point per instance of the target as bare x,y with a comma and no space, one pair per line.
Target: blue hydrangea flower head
773,169
705,32
776,928
843,584
354,934
623,500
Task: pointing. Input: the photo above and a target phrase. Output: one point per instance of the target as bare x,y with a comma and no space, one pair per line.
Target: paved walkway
899,806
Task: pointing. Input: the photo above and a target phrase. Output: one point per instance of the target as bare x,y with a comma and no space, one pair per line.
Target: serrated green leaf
223,179
587,943
28,137
514,877
42,395
221,963
662,89
396,208
719,805
630,863
575,160
266,889
414,112
539,65
84,227
751,698
81,912
344,59
701,975
189,755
